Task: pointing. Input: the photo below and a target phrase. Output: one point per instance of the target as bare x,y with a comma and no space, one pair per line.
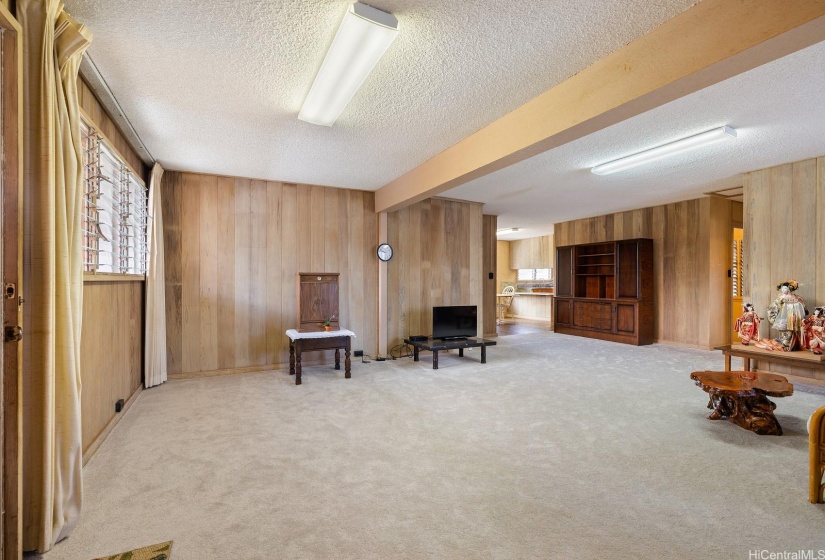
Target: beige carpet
558,447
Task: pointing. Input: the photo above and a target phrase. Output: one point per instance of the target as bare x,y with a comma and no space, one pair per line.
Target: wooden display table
325,340
742,398
799,358
435,345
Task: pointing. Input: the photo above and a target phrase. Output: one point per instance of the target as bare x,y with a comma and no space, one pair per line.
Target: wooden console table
435,345
324,340
741,397
800,358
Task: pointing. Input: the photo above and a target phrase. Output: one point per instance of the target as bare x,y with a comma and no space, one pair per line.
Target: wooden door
11,180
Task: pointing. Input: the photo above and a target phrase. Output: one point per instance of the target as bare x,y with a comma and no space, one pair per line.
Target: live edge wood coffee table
741,397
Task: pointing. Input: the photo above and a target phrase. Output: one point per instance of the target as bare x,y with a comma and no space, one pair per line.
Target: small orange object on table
741,397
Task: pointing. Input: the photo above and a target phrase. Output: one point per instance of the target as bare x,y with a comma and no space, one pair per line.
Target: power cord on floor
398,351
401,351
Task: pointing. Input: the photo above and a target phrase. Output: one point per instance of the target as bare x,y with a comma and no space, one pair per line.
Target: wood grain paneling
534,252
438,261
489,266
111,354
784,238
112,337
105,124
691,241
234,248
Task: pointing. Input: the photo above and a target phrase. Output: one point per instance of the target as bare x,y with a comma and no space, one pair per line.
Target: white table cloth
295,335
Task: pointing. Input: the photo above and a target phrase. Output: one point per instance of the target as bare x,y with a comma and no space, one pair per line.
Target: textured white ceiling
777,110
216,86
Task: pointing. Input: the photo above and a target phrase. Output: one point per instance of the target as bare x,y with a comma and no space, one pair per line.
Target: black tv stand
435,345
449,338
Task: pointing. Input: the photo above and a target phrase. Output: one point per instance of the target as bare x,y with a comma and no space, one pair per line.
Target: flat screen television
455,322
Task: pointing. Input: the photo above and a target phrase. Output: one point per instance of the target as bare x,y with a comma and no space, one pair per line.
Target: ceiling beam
706,44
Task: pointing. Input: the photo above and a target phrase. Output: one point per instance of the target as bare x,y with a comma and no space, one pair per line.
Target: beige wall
784,237
233,250
438,260
691,253
503,271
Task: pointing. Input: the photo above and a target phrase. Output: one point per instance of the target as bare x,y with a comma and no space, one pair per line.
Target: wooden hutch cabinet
317,300
605,291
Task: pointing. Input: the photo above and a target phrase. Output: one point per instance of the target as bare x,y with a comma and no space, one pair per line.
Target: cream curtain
155,351
53,272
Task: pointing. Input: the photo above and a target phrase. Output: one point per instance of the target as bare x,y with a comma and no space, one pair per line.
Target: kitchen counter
532,305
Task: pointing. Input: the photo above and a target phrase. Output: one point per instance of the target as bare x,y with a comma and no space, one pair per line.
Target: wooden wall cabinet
605,291
535,252
317,300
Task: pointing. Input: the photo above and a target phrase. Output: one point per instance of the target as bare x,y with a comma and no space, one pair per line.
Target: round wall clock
384,252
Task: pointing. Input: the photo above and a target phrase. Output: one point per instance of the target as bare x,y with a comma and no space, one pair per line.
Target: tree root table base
742,398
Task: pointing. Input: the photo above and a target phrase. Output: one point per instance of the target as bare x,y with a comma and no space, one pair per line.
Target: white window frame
535,275
115,210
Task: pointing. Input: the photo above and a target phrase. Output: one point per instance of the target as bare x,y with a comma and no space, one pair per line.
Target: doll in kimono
786,314
815,330
748,324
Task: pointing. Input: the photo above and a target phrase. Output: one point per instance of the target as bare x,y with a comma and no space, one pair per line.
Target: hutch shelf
605,291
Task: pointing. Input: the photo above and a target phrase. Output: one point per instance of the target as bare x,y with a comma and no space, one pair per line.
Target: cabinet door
311,307
329,300
564,312
628,270
626,318
591,315
564,271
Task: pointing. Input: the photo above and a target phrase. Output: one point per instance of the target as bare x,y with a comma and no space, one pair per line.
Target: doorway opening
524,285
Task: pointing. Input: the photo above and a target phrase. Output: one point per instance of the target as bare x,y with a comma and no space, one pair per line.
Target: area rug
160,551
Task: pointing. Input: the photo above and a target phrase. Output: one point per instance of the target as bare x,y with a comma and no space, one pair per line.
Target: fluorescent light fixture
506,230
361,40
666,150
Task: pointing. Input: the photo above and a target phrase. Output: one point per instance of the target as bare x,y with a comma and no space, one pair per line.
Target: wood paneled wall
534,252
692,254
784,237
111,351
438,260
489,265
112,332
233,250
105,124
